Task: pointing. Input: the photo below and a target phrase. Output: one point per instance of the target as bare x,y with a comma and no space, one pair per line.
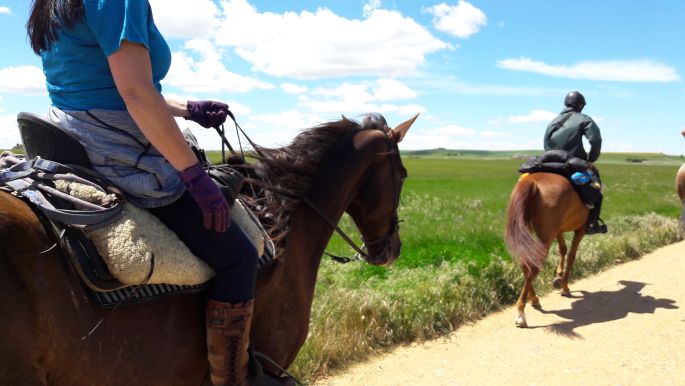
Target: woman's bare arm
132,72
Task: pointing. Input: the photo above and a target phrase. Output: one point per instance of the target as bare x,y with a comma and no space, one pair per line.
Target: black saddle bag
554,161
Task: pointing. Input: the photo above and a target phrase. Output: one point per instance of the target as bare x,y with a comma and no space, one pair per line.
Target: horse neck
310,232
285,296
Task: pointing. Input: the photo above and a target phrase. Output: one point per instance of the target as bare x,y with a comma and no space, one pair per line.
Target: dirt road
625,326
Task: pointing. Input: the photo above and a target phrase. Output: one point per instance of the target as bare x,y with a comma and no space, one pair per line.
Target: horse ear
401,130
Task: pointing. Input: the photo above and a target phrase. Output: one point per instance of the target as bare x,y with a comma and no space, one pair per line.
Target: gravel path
624,326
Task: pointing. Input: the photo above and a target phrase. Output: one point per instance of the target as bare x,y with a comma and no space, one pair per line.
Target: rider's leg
231,291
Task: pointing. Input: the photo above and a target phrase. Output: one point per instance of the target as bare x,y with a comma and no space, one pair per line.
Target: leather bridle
364,252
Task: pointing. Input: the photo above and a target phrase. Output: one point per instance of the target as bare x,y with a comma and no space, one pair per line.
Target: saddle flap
47,140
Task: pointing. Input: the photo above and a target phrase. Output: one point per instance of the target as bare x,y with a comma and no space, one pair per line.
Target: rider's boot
595,224
228,338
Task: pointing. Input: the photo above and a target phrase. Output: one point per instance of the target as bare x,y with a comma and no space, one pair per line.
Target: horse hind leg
527,293
532,296
570,259
556,282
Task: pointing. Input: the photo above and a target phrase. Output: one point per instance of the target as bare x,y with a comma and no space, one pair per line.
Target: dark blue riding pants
230,254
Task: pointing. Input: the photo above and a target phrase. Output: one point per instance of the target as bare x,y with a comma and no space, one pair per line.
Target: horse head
373,207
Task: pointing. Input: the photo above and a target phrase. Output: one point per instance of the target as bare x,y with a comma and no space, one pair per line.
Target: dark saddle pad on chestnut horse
562,163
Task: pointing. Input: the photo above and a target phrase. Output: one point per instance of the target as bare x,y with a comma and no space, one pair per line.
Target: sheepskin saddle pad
139,249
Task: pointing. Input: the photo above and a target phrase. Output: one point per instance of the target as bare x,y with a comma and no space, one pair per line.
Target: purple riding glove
207,113
215,209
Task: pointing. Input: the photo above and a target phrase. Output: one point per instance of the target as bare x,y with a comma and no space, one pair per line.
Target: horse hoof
566,293
536,305
520,322
556,282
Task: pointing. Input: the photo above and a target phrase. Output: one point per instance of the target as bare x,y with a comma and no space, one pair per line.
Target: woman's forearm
152,115
177,108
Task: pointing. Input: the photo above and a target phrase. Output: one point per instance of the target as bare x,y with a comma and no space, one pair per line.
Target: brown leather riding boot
228,337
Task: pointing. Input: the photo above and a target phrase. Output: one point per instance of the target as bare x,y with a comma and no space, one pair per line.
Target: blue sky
483,74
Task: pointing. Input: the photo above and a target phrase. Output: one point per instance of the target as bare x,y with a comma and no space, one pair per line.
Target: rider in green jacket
566,132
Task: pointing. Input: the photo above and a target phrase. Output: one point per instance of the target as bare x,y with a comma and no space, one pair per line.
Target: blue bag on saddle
581,178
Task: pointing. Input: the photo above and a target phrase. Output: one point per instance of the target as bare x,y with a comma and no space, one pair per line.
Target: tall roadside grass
454,267
353,319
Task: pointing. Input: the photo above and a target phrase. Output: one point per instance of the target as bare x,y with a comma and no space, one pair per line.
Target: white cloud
185,19
390,89
292,88
322,44
279,129
533,116
410,110
461,20
5,10
360,98
638,70
494,134
9,134
455,86
454,130
22,80
371,6
208,74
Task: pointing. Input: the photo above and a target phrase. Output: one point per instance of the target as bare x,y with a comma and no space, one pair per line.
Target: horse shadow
605,306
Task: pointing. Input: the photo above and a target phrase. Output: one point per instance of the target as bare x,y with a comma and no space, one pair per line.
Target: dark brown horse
542,207
45,313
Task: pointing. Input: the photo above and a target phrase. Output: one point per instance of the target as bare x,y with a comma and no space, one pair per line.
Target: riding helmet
575,99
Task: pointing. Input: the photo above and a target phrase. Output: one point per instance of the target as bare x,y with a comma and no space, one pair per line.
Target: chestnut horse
45,313
542,207
680,187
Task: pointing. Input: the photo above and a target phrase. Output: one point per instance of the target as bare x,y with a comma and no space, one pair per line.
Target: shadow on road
605,306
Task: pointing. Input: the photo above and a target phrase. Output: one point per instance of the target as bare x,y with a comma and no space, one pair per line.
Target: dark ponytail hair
48,16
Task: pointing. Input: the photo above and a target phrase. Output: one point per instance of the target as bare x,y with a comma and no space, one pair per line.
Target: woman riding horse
103,61
47,313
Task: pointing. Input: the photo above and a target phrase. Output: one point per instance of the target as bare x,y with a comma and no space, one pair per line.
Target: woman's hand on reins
215,209
207,113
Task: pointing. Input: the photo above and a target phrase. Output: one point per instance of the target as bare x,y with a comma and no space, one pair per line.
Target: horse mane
289,173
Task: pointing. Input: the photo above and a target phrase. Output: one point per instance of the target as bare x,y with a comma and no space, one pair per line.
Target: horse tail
521,243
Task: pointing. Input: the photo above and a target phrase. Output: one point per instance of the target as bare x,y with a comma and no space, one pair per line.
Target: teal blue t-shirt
76,69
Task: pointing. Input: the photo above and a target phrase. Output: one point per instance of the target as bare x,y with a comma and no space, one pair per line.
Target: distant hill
456,153
650,158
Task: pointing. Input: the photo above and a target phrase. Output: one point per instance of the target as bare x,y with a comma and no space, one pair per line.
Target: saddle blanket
138,241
